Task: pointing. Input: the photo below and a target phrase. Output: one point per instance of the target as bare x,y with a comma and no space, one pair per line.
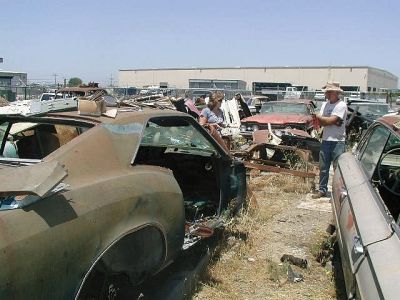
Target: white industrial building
362,78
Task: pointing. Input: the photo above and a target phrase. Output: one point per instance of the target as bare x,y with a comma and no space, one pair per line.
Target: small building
12,83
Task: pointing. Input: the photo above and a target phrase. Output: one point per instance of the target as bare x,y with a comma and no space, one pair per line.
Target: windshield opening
174,133
373,109
291,108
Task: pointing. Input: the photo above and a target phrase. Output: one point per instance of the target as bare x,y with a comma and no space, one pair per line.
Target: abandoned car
366,209
255,102
288,121
361,115
286,114
85,200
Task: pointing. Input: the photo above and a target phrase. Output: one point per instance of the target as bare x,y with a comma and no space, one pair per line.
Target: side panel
65,234
385,259
360,223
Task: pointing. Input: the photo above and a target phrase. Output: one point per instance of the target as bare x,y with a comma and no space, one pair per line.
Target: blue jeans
329,152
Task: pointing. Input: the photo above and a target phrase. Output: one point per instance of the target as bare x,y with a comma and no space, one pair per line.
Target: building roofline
11,72
276,67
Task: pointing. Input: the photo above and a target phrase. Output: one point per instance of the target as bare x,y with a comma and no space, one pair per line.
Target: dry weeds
247,263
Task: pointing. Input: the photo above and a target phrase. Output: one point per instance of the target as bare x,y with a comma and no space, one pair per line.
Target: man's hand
339,122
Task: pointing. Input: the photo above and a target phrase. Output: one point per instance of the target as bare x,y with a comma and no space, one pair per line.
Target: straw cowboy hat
332,87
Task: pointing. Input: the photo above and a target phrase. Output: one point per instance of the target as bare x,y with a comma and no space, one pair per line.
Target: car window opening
36,141
381,159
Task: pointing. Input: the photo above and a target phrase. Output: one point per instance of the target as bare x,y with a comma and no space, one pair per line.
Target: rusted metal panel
37,179
109,196
279,170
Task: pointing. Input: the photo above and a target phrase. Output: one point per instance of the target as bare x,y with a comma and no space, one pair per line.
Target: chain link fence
34,91
12,93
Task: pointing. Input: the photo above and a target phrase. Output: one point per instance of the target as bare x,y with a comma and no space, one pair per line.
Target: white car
319,96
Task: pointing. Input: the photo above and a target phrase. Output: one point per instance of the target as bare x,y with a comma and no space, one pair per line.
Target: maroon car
287,114
288,122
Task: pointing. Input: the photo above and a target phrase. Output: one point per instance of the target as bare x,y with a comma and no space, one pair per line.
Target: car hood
36,179
277,119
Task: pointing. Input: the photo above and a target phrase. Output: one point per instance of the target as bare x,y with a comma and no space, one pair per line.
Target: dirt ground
282,219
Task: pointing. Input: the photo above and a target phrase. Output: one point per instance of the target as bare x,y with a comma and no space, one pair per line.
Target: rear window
26,140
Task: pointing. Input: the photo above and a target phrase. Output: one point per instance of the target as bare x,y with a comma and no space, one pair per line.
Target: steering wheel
391,182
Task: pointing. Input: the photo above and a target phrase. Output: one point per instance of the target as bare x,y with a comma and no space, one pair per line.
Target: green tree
74,81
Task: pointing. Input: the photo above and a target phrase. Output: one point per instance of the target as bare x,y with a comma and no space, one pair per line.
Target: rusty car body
289,122
281,115
361,114
85,200
366,209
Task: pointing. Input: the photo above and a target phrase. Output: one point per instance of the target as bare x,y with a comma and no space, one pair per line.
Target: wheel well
138,254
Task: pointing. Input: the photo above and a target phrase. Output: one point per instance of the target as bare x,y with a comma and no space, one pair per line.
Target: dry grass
247,263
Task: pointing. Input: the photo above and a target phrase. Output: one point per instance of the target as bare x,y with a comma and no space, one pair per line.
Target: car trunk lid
37,179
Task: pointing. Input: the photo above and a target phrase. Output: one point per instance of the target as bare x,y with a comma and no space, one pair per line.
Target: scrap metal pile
269,153
154,101
294,153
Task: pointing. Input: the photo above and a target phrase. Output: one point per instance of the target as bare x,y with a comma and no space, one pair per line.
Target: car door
233,184
360,214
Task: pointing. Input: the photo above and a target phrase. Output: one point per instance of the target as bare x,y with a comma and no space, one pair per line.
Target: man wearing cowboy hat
333,118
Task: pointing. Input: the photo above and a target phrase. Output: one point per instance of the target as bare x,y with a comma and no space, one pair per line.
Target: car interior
36,141
381,159
194,170
388,174
196,176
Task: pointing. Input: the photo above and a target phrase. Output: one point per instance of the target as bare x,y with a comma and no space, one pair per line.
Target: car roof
124,115
295,101
258,97
392,121
365,102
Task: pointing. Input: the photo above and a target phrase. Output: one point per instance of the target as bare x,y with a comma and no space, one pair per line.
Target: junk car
86,200
289,121
366,210
281,115
255,102
361,115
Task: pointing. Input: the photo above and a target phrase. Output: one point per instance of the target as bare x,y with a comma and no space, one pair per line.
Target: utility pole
55,79
111,80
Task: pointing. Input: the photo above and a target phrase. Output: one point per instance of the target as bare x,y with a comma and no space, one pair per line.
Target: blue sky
94,39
